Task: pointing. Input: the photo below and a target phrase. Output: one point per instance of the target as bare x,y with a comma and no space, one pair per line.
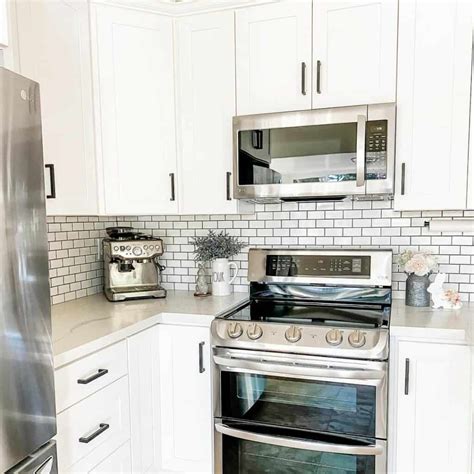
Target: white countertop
88,324
447,325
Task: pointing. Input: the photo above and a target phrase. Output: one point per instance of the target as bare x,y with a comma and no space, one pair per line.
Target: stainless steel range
301,369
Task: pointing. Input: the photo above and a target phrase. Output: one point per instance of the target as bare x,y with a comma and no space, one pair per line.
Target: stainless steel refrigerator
27,406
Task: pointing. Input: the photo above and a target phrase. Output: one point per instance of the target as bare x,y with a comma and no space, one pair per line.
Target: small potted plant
218,248
418,266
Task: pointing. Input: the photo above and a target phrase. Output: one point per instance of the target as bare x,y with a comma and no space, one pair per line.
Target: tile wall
76,269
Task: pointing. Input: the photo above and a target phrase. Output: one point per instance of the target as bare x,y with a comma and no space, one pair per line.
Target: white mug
221,279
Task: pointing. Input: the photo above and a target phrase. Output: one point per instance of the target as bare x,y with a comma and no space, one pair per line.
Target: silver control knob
137,251
293,334
357,338
254,331
234,330
334,337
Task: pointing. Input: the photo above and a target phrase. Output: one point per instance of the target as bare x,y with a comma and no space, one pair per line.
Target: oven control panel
364,343
331,266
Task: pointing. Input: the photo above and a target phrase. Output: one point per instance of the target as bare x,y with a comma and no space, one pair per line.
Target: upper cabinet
206,104
135,113
434,77
273,57
354,52
3,24
303,55
54,47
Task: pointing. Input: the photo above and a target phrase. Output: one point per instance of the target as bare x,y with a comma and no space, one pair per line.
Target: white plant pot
221,279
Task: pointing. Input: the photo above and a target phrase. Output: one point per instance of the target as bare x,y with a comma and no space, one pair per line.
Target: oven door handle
370,450
302,370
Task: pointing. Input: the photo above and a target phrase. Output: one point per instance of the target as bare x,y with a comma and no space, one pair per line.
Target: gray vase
416,293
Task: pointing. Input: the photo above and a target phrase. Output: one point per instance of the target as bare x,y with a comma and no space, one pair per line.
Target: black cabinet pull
100,373
407,375
52,179
318,76
172,187
201,357
87,439
402,191
228,175
303,78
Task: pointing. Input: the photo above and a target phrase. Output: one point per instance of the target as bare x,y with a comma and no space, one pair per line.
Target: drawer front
95,426
78,380
119,462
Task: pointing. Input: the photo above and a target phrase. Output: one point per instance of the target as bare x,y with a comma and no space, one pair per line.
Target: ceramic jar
221,279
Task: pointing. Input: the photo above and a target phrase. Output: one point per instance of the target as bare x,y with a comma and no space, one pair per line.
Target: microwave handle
296,370
360,156
370,450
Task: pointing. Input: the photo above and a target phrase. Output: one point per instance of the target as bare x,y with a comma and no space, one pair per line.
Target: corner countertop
443,325
88,324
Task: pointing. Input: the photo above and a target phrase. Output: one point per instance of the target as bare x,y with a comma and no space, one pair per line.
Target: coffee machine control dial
137,251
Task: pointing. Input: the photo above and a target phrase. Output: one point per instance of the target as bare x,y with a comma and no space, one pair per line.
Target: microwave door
307,154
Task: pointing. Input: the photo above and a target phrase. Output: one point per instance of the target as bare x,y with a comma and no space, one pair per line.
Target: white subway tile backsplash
76,269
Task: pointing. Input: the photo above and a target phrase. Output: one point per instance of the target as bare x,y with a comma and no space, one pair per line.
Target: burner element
293,334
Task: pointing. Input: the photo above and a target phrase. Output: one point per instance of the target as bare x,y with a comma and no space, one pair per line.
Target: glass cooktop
320,305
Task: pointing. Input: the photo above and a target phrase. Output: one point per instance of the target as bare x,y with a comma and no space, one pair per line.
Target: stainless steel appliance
131,265
315,154
27,406
300,381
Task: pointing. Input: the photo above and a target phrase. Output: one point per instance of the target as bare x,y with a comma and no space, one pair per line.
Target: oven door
256,449
334,396
318,153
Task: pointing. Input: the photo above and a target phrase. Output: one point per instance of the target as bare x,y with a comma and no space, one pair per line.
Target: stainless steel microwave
315,154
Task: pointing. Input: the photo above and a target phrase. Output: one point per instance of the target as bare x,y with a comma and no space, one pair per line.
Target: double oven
300,379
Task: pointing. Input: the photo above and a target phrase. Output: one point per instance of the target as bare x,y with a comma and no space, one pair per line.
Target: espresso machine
131,268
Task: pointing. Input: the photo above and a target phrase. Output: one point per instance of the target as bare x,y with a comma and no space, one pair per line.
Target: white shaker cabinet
143,361
3,24
135,111
431,399
185,397
354,52
273,57
433,95
206,104
54,49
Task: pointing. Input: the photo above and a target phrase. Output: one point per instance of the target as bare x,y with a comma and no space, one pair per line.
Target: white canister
221,279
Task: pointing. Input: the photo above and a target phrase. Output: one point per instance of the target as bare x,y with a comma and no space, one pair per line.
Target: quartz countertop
88,324
450,325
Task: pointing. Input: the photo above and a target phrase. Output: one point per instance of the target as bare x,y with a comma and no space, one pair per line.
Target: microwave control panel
376,136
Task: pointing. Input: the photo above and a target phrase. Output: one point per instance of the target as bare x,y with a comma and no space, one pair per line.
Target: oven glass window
241,456
310,154
329,407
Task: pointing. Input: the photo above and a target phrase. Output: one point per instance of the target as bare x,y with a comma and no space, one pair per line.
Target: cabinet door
185,393
3,24
434,73
117,463
143,360
355,52
134,55
206,105
432,426
273,48
54,49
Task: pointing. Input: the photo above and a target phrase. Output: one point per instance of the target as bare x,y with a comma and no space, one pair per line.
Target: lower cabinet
185,397
431,407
